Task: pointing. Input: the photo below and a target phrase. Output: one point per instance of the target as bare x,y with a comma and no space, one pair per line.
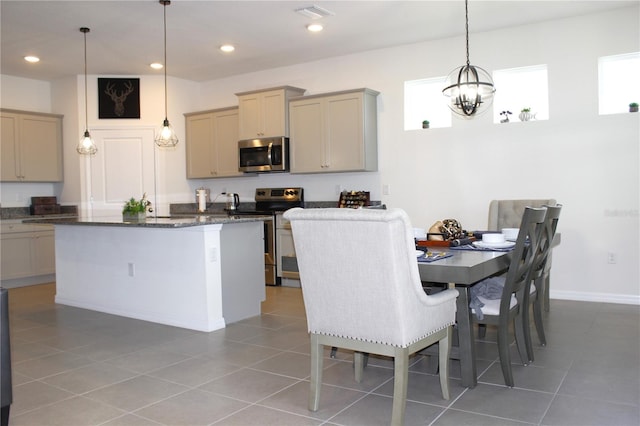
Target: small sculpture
506,116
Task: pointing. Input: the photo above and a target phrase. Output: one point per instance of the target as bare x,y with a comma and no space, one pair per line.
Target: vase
526,116
134,217
633,109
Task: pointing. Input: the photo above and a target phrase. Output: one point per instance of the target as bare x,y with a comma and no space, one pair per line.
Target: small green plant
136,206
425,124
633,105
525,110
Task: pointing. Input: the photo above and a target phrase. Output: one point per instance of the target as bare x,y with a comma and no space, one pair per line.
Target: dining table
461,270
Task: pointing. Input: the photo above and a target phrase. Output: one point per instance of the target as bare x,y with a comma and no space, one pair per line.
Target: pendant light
470,88
165,136
86,146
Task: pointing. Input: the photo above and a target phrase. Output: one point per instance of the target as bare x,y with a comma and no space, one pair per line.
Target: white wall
586,161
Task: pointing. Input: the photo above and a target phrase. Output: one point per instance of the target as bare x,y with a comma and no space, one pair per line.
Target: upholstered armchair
507,214
362,291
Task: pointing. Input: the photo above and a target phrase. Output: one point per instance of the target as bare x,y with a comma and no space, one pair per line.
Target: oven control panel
280,194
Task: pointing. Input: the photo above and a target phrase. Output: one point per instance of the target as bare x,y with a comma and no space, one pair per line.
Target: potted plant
506,115
136,210
425,124
633,107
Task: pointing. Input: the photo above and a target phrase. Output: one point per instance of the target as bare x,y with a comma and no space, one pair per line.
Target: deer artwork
119,98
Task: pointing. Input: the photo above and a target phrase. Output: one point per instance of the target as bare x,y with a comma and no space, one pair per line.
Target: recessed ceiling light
227,48
156,66
314,28
32,59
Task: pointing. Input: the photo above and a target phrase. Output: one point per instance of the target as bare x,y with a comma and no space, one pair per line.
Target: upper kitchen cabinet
334,132
264,113
212,143
31,147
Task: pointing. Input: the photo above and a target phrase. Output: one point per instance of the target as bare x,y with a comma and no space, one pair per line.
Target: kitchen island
198,272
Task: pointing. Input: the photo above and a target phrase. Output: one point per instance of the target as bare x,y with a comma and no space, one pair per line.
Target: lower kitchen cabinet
26,250
212,144
31,147
334,132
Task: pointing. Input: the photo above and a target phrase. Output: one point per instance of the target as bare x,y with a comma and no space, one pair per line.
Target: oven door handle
269,153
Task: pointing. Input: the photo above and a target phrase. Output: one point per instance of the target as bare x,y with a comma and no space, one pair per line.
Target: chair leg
523,335
358,364
401,377
482,330
537,317
316,373
503,351
545,292
444,351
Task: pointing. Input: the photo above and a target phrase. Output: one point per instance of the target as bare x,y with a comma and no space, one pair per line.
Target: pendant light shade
86,146
469,88
165,136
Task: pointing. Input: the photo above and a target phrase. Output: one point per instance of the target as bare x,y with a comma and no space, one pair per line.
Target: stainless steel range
271,201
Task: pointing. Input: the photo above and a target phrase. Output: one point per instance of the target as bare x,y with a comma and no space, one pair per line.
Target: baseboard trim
625,299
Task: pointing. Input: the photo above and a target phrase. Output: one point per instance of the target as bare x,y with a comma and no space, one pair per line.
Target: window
423,100
618,81
520,88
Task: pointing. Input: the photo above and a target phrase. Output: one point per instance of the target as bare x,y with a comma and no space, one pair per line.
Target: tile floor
75,367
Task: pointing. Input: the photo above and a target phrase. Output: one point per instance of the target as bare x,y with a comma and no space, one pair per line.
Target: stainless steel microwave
264,155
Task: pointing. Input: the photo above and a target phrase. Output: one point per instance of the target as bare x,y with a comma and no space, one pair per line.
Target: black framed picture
118,98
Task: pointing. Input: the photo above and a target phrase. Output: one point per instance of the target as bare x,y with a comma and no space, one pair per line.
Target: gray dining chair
514,299
539,279
361,290
507,214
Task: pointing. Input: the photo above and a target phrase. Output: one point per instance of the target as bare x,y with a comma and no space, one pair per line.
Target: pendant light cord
466,26
164,8
86,108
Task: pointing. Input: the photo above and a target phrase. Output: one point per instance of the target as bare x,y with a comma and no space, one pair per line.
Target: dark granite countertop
7,213
150,222
218,208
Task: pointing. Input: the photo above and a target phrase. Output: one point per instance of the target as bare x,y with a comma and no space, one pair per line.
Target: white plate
419,253
506,244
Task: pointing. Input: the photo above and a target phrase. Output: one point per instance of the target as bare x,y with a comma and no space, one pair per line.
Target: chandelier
469,88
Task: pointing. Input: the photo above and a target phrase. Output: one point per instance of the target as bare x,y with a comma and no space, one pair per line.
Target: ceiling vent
314,12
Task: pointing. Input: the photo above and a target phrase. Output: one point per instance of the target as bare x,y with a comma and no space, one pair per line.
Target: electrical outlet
612,258
386,189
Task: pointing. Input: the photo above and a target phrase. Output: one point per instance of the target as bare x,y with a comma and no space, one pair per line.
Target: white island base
197,277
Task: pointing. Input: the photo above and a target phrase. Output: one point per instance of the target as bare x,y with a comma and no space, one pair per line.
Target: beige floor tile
88,378
256,415
192,408
136,393
73,411
248,385
195,371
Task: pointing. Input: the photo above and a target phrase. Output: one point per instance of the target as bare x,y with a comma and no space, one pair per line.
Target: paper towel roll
202,200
